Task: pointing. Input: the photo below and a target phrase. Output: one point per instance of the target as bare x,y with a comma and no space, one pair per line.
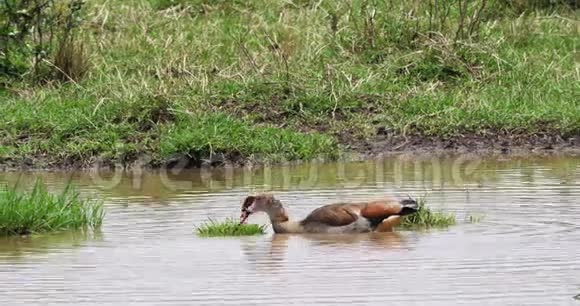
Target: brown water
525,251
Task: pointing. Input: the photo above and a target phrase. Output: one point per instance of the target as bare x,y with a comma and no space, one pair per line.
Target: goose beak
244,216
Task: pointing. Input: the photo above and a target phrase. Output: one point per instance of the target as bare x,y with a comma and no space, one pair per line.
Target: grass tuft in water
474,218
229,227
426,218
24,212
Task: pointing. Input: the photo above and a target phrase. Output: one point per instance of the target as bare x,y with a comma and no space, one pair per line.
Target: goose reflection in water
269,254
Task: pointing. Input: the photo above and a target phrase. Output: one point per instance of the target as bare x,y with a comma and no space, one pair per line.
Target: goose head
259,203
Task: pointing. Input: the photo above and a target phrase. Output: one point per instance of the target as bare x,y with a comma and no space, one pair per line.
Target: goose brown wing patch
381,209
332,215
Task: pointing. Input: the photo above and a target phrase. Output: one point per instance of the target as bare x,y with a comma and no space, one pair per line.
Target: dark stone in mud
449,145
217,160
382,130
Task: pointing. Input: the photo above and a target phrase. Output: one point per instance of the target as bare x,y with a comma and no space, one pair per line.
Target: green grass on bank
37,210
296,79
73,131
229,227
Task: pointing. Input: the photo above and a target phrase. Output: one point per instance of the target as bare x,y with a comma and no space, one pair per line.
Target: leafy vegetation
229,227
295,79
37,210
38,40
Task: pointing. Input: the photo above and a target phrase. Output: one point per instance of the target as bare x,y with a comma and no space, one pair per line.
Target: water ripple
523,252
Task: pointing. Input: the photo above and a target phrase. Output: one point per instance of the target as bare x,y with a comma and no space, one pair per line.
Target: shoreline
510,146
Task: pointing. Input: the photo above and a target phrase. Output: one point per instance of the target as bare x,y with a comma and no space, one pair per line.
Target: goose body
361,217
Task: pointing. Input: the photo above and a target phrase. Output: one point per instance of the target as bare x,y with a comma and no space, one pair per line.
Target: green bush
37,39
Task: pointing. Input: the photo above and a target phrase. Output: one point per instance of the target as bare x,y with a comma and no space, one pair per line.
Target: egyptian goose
373,216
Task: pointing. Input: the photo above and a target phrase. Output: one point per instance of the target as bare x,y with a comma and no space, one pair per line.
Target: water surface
525,251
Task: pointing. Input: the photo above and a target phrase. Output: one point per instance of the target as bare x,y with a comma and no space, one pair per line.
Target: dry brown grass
71,61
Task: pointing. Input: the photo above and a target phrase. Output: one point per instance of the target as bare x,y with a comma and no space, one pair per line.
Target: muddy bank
382,144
